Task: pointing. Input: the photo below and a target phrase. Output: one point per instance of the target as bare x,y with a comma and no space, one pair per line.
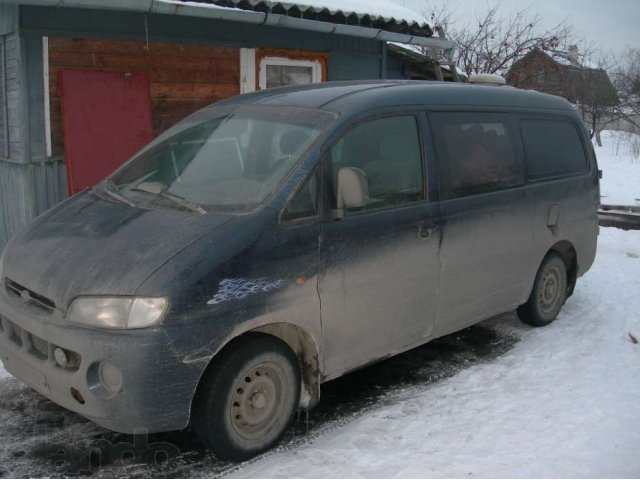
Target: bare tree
496,41
594,95
626,78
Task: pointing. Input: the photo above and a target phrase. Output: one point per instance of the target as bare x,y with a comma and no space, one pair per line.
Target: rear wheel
549,292
248,398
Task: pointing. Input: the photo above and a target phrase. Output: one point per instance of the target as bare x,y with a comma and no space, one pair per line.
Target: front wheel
248,398
549,293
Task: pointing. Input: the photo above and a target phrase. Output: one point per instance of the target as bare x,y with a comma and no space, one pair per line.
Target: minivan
280,239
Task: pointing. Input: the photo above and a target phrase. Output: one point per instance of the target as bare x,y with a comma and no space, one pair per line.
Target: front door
379,265
107,118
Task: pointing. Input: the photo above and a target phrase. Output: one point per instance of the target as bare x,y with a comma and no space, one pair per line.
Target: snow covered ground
619,160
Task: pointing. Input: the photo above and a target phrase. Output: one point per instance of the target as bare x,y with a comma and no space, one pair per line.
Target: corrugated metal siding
4,127
16,201
26,190
49,183
352,66
8,18
13,95
9,111
395,68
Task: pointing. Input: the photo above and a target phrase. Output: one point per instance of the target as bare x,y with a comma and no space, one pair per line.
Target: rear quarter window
553,148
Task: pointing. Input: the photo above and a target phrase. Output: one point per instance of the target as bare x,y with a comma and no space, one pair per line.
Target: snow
562,402
379,8
182,3
3,372
619,160
386,9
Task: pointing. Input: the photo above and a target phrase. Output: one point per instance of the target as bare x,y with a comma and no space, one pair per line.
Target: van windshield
228,158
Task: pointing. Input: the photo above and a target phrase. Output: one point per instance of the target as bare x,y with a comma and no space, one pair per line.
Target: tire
549,293
247,398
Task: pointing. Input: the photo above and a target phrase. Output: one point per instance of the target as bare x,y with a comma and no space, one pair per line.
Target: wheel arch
298,340
568,253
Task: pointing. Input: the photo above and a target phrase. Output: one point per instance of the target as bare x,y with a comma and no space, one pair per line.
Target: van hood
90,246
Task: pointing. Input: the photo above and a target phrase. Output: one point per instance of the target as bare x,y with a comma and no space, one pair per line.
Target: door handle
425,232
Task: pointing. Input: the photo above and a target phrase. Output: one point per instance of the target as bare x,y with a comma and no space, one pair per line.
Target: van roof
362,95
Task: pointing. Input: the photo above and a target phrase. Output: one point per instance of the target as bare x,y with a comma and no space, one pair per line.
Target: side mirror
352,190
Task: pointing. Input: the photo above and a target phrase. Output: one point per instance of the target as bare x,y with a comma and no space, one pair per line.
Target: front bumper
157,386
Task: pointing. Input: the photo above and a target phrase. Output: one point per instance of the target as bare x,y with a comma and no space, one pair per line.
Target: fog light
110,376
61,357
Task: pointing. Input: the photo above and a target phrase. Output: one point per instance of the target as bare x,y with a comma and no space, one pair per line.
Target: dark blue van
277,240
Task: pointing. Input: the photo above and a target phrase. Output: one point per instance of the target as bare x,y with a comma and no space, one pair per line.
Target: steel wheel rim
258,400
550,289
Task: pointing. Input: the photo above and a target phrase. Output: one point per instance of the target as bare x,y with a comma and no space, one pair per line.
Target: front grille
37,346
40,346
29,296
15,333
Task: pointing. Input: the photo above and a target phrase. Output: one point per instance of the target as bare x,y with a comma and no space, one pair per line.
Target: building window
539,77
280,72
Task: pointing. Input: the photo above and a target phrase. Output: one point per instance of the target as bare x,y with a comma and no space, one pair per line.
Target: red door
106,118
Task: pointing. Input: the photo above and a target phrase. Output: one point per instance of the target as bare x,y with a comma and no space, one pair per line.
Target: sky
614,24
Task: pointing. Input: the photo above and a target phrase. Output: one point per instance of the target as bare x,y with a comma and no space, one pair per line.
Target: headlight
117,312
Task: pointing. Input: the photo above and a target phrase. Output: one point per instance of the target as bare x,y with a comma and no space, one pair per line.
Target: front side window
225,158
388,151
305,202
553,148
476,153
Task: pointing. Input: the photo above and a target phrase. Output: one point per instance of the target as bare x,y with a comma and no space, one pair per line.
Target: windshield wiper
157,188
111,189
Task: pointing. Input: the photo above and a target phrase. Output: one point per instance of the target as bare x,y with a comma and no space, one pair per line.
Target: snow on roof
385,10
458,69
564,59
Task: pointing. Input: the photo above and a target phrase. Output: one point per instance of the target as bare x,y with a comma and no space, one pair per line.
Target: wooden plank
183,78
125,61
156,49
199,90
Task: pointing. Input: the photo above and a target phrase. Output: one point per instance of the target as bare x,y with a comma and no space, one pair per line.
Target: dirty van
277,240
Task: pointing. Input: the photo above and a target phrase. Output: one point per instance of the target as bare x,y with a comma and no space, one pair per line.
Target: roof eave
168,7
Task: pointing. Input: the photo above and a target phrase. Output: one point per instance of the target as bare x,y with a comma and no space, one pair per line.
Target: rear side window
476,153
553,148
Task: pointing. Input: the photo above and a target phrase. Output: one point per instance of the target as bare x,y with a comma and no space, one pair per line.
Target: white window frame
316,68
247,70
47,96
